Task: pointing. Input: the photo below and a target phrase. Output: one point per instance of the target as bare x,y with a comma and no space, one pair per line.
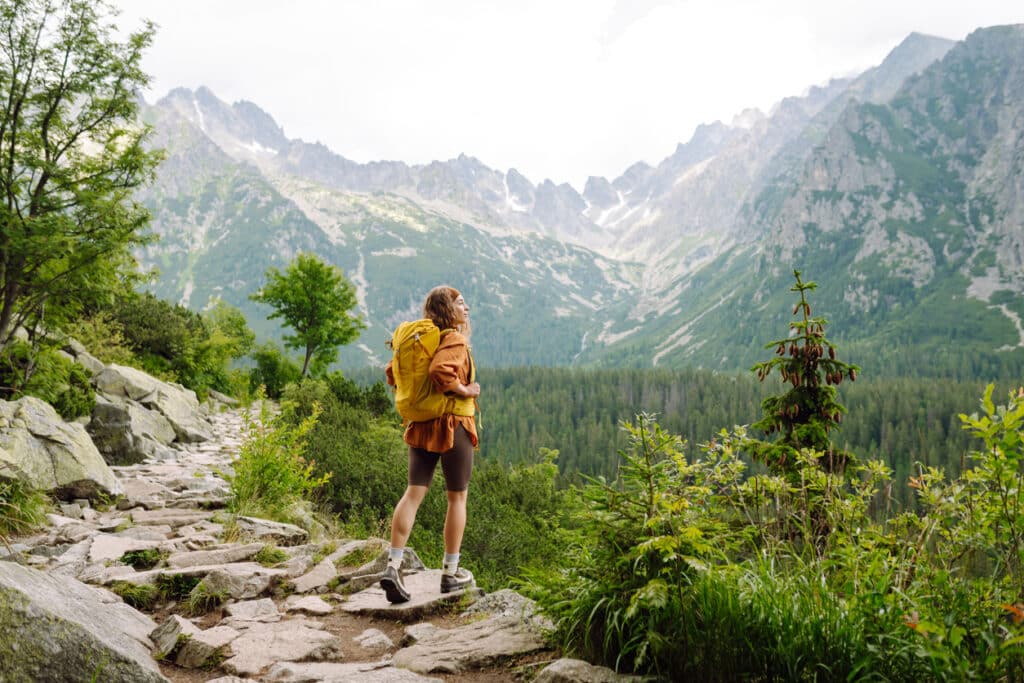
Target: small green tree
314,299
71,156
808,411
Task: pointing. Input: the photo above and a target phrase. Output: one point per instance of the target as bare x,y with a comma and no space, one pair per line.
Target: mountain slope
901,191
909,215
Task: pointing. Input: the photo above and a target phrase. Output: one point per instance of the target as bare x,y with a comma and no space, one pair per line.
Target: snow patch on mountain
401,252
199,115
608,338
510,201
256,148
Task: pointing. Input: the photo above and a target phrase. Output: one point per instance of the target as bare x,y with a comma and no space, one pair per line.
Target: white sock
395,556
451,563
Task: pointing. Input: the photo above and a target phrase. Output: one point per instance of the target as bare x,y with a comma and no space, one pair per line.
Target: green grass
358,557
202,600
22,509
143,559
176,586
140,596
269,555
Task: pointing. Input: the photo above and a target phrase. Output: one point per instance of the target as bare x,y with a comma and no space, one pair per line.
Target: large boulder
55,628
126,432
47,453
176,403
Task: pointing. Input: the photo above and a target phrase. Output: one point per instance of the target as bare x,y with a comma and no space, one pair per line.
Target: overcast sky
558,89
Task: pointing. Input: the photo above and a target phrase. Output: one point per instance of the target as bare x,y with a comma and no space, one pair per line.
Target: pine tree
805,414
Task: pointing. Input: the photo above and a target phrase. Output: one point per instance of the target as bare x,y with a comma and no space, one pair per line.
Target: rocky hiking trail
314,613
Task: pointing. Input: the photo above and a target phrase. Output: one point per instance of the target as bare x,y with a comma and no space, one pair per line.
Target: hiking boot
460,580
393,586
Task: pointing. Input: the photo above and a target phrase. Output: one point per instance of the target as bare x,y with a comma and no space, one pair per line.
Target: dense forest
579,413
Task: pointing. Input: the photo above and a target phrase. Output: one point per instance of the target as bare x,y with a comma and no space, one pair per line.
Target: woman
449,438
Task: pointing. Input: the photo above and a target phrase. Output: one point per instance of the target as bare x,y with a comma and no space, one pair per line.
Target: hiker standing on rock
435,384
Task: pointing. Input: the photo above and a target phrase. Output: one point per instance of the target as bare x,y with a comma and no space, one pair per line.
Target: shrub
272,478
48,375
177,344
623,599
103,337
273,371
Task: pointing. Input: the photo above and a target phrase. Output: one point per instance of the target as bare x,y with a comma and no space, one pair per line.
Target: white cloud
555,88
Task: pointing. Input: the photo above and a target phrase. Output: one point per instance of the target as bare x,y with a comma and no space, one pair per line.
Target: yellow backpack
416,399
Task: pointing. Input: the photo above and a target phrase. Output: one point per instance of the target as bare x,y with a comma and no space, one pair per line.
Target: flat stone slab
202,647
169,516
294,640
263,609
109,547
473,646
427,598
310,604
225,555
318,577
364,672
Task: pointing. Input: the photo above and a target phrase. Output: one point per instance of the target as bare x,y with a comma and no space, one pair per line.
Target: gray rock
427,598
243,580
110,547
323,672
58,629
222,398
169,516
310,604
73,561
508,603
416,632
504,603
47,453
374,639
157,532
287,641
318,577
126,432
73,510
146,493
201,647
176,403
267,530
263,610
226,555
578,671
473,646
166,636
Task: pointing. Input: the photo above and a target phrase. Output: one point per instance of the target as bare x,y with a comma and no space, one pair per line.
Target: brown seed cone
832,352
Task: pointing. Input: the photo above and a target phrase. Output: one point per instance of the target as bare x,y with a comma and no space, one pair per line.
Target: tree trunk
305,364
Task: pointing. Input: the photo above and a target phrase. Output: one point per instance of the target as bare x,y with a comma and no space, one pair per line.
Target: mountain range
900,191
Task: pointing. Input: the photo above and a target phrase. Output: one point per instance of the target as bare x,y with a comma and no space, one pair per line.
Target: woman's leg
455,521
405,514
457,465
